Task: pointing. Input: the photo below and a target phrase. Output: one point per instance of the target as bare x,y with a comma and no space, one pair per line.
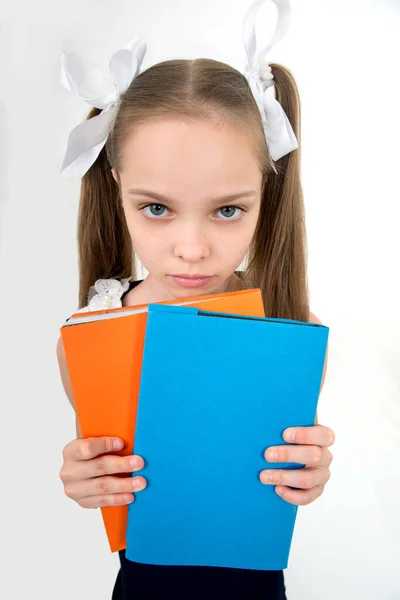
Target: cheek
235,240
150,247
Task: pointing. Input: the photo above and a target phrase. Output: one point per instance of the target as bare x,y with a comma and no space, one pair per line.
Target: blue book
216,391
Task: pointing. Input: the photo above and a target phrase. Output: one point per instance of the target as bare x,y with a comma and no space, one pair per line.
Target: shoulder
62,364
314,319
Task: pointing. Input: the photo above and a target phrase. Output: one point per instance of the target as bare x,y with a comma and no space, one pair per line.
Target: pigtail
104,244
277,261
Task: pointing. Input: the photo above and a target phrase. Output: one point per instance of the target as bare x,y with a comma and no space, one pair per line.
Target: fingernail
279,491
138,483
289,435
268,476
135,462
118,444
272,455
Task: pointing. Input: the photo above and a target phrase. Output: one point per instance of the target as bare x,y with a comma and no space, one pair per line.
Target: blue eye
231,212
156,210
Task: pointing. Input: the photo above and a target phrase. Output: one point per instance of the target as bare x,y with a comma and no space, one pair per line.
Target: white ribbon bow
102,90
278,130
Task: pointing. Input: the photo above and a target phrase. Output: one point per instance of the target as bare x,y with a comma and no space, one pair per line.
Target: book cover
216,391
104,357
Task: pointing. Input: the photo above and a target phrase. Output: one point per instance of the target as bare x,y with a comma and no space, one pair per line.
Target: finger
312,456
109,465
86,449
102,486
317,435
299,497
108,500
305,478
99,466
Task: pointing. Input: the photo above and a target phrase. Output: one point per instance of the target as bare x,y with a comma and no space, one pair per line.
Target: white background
344,55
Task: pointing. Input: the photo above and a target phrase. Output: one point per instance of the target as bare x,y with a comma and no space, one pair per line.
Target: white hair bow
277,128
102,90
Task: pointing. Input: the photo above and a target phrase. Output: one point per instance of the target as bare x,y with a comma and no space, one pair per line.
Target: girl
184,180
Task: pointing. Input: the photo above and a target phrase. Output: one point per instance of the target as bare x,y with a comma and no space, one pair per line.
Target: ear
114,174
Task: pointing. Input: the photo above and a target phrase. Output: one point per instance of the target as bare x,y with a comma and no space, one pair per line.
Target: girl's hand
312,452
88,478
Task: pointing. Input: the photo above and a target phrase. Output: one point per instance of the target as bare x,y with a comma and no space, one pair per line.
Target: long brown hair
202,89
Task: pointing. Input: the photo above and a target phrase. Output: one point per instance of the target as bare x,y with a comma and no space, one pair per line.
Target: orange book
104,357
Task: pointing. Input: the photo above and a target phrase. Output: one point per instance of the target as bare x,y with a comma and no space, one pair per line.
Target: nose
192,246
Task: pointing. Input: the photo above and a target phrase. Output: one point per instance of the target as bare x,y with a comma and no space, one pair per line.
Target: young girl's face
175,184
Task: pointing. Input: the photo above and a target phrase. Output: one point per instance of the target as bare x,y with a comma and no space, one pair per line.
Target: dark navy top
139,581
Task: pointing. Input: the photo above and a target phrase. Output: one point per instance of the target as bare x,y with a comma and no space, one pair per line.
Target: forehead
185,155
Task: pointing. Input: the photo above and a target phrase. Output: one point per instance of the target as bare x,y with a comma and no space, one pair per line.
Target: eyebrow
161,198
